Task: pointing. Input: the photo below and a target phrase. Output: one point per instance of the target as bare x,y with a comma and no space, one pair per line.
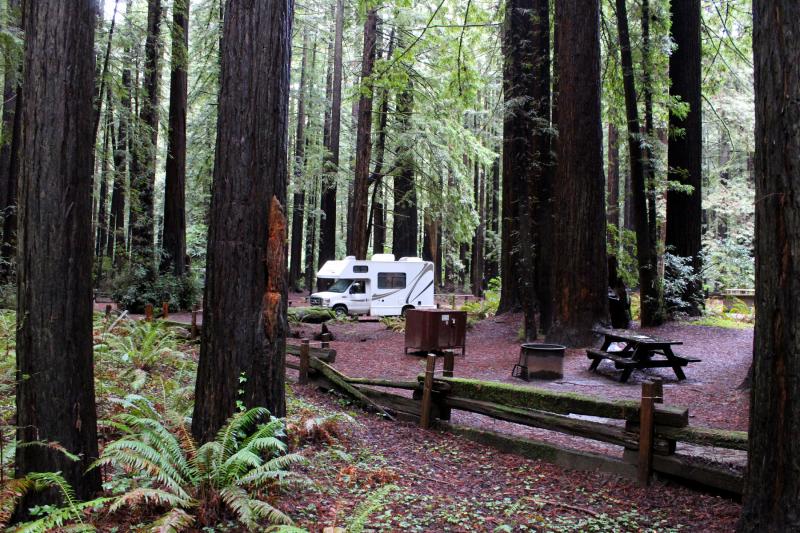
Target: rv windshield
341,285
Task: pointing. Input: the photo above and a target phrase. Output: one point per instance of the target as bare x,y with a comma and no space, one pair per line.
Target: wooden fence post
449,364
148,312
305,362
108,311
646,417
427,392
658,393
165,310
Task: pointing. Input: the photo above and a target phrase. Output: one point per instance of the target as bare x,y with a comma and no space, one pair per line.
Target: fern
231,474
373,502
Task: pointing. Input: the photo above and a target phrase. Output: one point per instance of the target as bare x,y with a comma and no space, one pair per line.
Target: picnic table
639,352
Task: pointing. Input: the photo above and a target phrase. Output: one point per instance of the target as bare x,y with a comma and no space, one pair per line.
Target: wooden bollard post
108,311
194,332
148,312
427,392
658,393
449,364
305,361
646,412
165,310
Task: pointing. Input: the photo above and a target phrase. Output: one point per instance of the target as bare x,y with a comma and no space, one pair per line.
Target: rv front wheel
405,310
340,311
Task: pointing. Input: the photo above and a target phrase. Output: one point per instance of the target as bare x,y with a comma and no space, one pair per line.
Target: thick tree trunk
55,401
480,232
612,179
174,235
360,238
327,237
685,209
581,297
299,197
492,267
311,236
146,145
244,323
405,226
773,476
652,306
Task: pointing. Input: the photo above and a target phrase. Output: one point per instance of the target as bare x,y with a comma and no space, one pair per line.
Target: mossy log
310,315
719,438
554,422
559,402
340,380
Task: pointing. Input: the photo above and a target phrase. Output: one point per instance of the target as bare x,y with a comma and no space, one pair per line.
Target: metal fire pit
540,361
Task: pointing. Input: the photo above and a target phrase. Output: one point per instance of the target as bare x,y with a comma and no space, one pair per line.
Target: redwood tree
685,209
579,266
244,321
9,151
773,477
143,170
299,196
55,400
405,225
360,237
327,237
174,236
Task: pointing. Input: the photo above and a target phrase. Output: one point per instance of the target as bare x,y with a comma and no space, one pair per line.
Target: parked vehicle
381,286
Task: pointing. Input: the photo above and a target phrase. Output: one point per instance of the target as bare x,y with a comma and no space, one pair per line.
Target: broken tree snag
276,272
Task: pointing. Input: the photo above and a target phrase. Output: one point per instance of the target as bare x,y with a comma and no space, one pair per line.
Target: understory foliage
137,286
231,478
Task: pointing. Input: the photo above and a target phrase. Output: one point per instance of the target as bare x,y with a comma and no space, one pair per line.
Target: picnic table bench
639,352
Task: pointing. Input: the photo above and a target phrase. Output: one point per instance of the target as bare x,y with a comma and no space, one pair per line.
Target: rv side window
360,269
391,280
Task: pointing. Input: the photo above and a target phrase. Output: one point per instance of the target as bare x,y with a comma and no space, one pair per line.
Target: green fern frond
373,502
239,503
270,513
175,520
145,496
237,426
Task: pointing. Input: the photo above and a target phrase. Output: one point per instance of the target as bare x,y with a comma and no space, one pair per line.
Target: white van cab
381,286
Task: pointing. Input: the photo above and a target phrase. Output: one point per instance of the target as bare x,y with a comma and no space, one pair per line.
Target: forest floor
444,482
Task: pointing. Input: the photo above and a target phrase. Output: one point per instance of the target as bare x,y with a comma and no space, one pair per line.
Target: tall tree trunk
649,138
360,238
116,245
652,306
327,237
492,264
9,152
244,323
685,159
174,235
405,226
311,236
773,476
581,299
377,213
146,145
480,233
102,200
55,402
612,210
299,197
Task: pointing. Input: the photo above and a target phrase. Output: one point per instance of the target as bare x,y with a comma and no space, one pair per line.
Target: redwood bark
327,238
581,299
405,225
299,196
55,400
360,237
685,158
121,172
612,180
244,320
773,477
146,145
174,235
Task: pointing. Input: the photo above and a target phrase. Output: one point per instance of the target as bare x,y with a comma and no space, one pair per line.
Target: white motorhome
381,286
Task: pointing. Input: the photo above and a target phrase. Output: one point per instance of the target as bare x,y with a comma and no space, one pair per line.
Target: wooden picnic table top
635,337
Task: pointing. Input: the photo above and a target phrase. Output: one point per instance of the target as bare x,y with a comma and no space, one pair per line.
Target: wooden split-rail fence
647,430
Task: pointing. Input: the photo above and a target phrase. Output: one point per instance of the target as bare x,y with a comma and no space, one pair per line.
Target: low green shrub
139,286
